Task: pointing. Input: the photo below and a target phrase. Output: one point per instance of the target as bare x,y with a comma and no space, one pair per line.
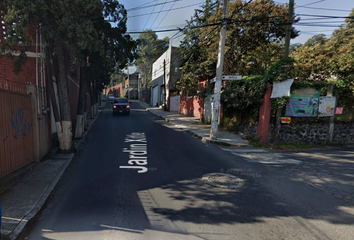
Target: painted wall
175,103
191,106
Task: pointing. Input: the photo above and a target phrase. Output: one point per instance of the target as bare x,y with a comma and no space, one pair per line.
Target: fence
16,131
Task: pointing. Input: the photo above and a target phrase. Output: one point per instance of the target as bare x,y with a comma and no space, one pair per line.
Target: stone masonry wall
307,133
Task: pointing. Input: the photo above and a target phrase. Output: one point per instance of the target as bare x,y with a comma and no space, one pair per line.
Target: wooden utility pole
286,53
215,105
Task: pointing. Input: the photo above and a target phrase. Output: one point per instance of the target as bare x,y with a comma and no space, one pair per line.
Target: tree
69,29
317,39
194,47
312,60
119,50
149,48
330,60
295,46
341,47
253,41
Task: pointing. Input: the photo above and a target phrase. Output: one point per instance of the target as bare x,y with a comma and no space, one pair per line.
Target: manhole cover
223,180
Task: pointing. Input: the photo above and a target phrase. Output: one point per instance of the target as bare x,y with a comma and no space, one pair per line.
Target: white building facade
165,73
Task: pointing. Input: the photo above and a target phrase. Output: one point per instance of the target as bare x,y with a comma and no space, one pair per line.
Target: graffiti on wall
20,123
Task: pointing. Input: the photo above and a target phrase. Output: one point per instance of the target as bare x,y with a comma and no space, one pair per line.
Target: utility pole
286,53
289,28
165,85
128,84
215,105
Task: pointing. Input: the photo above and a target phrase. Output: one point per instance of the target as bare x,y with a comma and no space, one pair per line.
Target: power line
154,5
313,3
177,29
315,25
328,9
145,14
141,6
158,14
325,16
149,16
166,14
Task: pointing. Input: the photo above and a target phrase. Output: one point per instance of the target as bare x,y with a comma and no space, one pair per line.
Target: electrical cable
178,8
313,3
149,16
166,14
154,5
158,14
328,9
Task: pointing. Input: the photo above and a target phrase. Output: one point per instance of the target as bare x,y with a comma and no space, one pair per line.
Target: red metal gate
16,131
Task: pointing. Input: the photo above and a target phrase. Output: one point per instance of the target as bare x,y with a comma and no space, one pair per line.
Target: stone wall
315,133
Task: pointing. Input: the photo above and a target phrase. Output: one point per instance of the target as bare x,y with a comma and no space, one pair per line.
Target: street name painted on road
137,152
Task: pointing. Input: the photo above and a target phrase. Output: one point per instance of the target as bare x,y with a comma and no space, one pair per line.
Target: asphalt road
101,195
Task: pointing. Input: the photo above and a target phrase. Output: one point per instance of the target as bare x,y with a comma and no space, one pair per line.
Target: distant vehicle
110,97
121,106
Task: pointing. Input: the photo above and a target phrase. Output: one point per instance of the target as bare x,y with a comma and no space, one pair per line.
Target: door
155,95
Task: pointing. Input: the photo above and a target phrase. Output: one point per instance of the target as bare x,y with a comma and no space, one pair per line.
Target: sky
172,14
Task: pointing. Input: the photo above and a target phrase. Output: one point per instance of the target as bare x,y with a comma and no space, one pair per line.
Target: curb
77,146
203,139
43,198
19,228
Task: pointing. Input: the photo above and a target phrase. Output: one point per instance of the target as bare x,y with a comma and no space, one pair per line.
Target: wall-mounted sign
281,89
227,77
303,103
327,106
339,110
285,119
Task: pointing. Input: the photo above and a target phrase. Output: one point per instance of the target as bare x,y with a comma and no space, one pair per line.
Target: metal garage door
155,95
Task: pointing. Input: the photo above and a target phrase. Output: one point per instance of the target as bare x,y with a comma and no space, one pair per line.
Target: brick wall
17,82
9,80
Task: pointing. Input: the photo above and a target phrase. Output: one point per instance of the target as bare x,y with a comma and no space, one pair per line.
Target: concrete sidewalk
25,191
196,127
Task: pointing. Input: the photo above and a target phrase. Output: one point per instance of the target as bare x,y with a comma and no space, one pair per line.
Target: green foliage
253,40
323,61
194,49
89,39
281,70
317,39
279,102
149,50
245,96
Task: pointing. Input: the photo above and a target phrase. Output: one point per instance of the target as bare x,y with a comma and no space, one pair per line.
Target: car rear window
121,100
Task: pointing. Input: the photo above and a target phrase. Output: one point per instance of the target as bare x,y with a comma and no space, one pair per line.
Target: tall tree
317,39
149,48
253,40
325,60
194,48
118,50
69,29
